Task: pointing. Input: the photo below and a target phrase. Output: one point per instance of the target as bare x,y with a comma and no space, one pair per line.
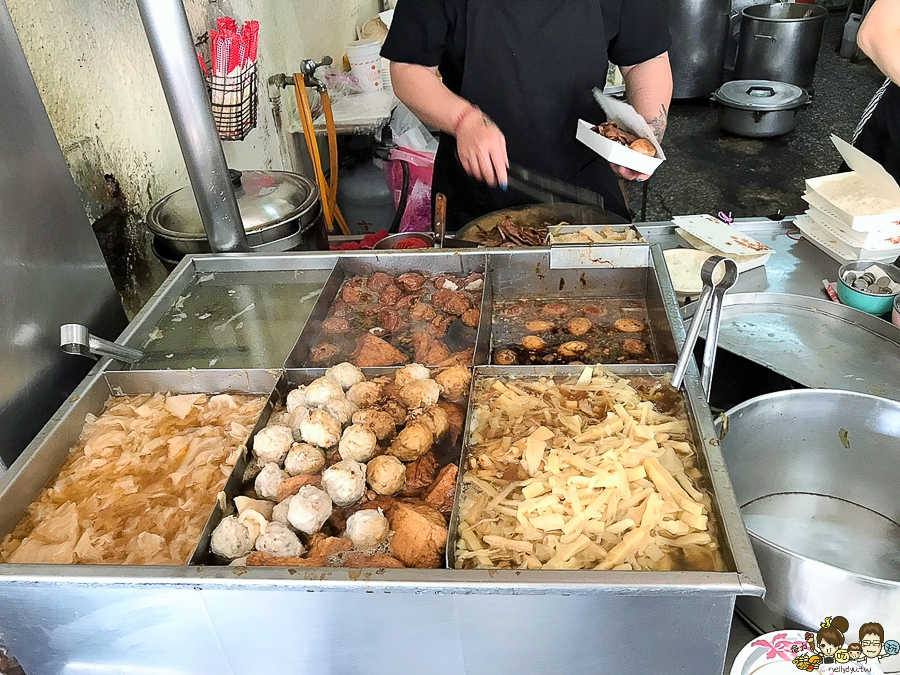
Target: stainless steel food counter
213,619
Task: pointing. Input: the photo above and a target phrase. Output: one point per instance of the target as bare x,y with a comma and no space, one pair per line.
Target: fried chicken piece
411,281
463,358
391,320
377,282
452,302
427,350
439,494
439,326
471,317
260,559
335,325
408,301
341,309
353,293
323,352
374,352
390,295
378,560
422,311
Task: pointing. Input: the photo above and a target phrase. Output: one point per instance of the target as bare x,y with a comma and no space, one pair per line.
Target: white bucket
365,63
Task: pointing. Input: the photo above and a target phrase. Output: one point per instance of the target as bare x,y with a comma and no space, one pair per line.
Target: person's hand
628,174
481,147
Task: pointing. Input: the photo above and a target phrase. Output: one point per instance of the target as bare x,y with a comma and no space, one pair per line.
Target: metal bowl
815,474
870,303
392,240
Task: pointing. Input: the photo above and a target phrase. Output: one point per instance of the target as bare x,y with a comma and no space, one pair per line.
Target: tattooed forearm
659,123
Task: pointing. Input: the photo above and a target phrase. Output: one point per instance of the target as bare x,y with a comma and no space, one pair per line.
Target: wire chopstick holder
232,77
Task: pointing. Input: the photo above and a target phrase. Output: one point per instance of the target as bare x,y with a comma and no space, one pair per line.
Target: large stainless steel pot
699,31
759,108
281,211
815,473
780,42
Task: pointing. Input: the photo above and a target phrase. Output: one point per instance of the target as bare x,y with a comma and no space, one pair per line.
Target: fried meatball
380,422
454,382
278,540
340,409
296,398
345,374
411,281
437,420
506,357
323,352
231,539
269,480
629,325
359,443
321,390
365,394
422,311
309,509
572,349
471,317
336,325
345,482
378,281
386,474
295,419
412,442
540,326
367,528
533,343
304,460
272,444
396,410
420,394
579,326
390,295
634,346
320,429
411,373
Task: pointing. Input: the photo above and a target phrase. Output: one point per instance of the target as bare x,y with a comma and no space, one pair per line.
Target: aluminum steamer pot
759,108
281,211
815,473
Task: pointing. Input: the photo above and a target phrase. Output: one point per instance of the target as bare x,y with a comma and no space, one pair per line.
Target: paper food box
708,233
627,119
866,199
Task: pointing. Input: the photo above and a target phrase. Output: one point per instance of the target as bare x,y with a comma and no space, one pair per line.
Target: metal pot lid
761,95
265,199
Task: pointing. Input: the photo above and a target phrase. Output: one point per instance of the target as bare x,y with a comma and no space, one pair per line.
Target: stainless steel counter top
796,266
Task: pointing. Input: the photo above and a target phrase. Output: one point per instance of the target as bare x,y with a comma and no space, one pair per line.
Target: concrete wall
96,76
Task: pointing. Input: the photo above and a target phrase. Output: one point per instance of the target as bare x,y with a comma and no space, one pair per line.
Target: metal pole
170,40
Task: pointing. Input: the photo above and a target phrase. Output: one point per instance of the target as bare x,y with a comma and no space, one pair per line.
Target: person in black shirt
517,76
878,133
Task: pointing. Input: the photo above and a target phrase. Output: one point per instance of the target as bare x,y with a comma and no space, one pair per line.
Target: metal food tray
41,461
364,264
709,457
194,618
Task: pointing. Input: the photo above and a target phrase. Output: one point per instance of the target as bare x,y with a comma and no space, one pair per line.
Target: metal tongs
715,292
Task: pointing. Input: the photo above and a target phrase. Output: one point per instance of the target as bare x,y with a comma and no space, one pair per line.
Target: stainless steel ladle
76,339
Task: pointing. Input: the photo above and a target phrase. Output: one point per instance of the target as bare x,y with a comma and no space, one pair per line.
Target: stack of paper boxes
855,215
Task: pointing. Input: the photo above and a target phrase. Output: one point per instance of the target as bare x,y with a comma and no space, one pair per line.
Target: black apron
531,66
